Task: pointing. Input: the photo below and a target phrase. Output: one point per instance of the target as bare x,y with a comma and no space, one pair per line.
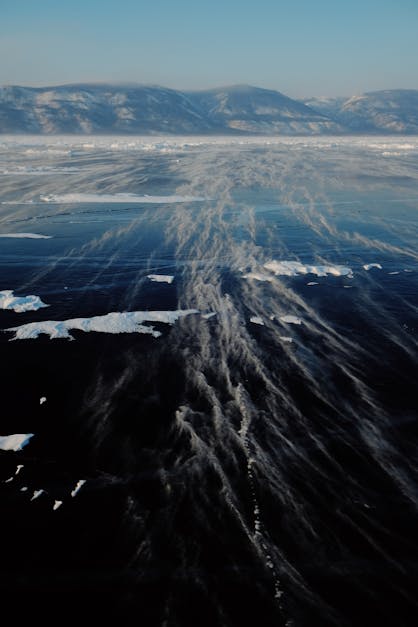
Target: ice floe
312,283
119,197
369,266
284,338
289,319
257,320
160,278
20,304
78,487
293,268
25,235
14,442
115,322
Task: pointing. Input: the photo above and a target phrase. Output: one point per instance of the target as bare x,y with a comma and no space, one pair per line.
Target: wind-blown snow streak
115,322
20,304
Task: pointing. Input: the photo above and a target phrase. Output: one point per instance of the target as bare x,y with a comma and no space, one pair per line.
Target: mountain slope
263,111
136,109
389,111
98,109
392,111
156,110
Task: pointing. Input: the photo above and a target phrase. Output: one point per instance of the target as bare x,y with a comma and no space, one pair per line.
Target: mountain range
153,110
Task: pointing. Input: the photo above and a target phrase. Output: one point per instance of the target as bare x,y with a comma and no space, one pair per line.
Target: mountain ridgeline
238,110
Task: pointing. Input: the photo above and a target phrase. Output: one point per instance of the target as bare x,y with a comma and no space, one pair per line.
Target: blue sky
300,47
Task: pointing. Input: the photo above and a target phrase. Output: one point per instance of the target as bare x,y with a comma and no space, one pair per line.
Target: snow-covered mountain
261,111
98,109
136,109
156,110
387,111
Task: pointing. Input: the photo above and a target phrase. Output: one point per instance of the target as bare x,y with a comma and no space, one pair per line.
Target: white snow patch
284,338
78,487
115,322
14,442
397,272
20,304
37,494
258,276
289,319
293,268
207,316
57,504
256,320
24,489
312,283
120,197
160,278
26,235
18,469
8,480
42,400
369,266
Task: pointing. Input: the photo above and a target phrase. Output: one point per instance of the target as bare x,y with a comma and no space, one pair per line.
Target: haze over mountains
137,109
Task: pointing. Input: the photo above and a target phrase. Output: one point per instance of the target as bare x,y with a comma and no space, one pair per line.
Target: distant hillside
261,111
136,109
156,110
98,109
388,111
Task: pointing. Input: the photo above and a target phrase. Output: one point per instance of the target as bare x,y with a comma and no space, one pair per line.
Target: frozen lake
218,339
